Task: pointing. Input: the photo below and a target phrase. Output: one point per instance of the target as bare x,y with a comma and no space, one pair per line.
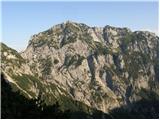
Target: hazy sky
20,20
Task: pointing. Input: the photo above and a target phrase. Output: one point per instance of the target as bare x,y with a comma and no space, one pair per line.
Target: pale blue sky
20,20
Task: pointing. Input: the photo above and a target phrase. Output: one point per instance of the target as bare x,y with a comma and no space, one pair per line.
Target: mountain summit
86,68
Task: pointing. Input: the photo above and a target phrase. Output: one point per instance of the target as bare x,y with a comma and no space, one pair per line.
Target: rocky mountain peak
69,22
102,67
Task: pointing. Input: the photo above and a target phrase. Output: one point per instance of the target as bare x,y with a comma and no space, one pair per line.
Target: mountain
87,69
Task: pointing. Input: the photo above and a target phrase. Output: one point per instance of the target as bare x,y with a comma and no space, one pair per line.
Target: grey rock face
101,67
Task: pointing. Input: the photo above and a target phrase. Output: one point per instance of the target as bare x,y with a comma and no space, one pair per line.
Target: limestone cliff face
103,68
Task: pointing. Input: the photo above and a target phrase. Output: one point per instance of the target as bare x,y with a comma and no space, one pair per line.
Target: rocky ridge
103,68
